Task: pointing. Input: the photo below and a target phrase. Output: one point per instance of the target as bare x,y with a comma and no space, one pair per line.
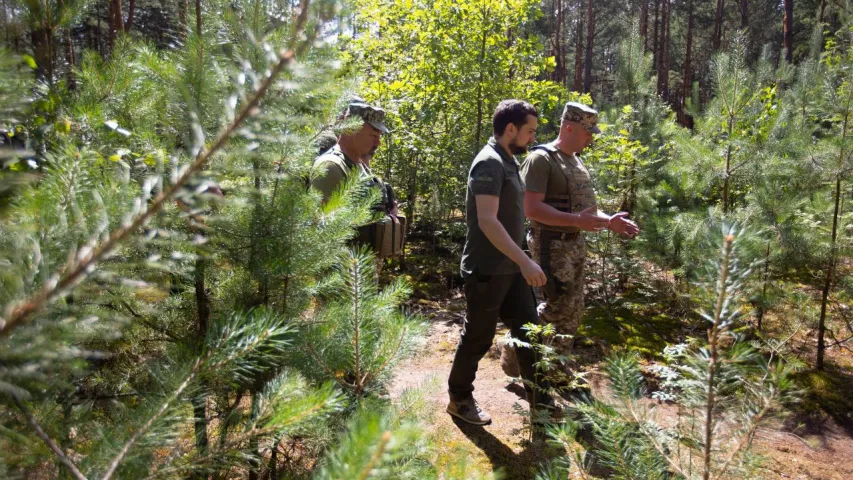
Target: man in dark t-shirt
499,276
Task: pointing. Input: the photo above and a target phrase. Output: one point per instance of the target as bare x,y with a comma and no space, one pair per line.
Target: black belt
555,235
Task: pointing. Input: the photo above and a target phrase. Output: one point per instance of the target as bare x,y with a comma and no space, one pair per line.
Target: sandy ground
820,451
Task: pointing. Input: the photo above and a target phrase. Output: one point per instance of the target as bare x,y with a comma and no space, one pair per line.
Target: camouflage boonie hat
586,116
374,116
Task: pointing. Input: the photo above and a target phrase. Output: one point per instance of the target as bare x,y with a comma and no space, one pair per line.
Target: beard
516,149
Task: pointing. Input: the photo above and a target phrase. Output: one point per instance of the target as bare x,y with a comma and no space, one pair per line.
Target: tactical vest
579,195
385,236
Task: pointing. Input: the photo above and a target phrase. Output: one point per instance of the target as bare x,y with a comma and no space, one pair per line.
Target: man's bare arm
487,218
536,209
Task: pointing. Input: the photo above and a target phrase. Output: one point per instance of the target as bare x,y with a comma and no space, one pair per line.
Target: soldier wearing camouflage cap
560,202
361,127
358,141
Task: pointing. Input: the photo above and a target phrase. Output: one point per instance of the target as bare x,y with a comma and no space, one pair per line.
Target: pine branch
48,441
237,441
150,423
328,370
664,452
56,287
380,449
713,337
756,420
390,357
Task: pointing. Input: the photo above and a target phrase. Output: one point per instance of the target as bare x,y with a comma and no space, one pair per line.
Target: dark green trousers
489,298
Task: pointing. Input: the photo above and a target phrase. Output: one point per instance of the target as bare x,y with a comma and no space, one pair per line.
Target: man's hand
590,221
533,273
620,224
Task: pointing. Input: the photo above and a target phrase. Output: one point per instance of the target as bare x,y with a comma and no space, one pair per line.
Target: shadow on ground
829,394
504,460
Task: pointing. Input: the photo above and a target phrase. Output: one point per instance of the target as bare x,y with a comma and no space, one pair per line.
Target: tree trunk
183,9
558,44
764,280
254,464
821,11
198,17
478,137
578,83
100,37
200,424
202,323
5,20
644,24
413,192
69,59
727,175
663,60
131,8
590,37
666,57
744,14
41,39
717,36
830,273
655,35
687,82
788,31
116,24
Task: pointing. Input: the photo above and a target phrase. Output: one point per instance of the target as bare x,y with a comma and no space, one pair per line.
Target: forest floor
810,440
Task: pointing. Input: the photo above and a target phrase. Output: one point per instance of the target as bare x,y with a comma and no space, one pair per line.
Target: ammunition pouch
386,236
562,203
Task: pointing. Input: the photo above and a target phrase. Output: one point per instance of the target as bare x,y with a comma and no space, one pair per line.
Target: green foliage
162,269
357,333
724,387
374,447
440,68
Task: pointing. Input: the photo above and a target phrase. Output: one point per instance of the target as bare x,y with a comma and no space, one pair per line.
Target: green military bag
386,236
390,236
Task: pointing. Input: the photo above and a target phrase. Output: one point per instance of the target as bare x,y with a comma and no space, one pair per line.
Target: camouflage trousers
560,304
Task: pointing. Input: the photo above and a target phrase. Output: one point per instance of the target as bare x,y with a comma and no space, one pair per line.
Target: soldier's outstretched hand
591,221
533,273
619,223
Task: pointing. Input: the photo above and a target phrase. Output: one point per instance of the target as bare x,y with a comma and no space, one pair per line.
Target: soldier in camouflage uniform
560,203
350,154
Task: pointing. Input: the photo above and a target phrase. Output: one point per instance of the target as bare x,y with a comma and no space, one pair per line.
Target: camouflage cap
586,116
374,116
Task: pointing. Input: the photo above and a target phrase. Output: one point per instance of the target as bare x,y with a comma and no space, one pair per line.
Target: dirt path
822,451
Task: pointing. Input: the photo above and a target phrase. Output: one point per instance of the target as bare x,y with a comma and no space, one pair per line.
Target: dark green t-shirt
493,172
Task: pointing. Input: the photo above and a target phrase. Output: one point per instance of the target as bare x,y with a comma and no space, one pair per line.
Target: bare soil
794,445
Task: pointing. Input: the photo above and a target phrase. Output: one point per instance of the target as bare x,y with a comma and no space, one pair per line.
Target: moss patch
644,332
828,393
